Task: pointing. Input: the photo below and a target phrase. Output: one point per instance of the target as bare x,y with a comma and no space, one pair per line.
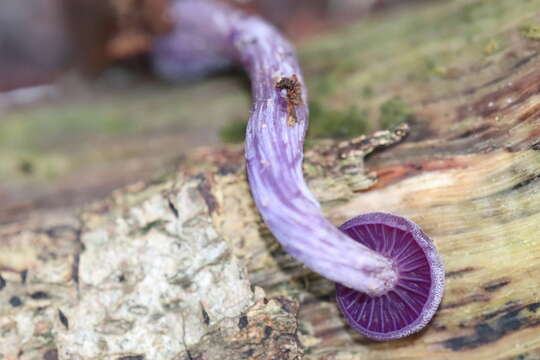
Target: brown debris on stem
294,96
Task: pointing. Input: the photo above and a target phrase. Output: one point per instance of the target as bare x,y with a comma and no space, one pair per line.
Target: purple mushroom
415,296
390,279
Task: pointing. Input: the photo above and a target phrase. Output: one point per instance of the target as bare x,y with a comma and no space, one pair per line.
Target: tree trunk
184,268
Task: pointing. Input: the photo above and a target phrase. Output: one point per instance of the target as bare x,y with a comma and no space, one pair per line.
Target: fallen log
174,251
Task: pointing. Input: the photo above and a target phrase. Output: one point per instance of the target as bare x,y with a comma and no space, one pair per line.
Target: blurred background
81,112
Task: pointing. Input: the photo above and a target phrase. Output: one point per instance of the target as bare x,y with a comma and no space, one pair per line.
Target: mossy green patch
531,31
234,132
432,68
334,124
367,91
322,82
394,112
151,225
324,123
475,11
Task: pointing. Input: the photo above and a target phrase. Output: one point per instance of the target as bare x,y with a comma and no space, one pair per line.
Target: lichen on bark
153,280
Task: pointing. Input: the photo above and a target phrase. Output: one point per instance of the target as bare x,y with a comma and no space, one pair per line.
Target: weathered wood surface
467,172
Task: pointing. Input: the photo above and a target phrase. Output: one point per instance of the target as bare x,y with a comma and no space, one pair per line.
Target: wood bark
467,172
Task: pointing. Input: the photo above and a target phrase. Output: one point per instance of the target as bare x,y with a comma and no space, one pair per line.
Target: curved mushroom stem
208,34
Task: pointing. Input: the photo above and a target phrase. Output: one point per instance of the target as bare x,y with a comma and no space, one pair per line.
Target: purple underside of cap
413,300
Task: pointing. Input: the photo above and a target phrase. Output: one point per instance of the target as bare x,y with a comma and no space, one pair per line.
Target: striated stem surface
207,36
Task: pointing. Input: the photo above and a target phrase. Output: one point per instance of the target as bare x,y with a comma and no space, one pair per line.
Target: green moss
324,84
234,132
394,112
151,225
433,69
367,91
471,12
531,31
326,123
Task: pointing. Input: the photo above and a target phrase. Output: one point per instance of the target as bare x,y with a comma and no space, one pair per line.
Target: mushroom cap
411,303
